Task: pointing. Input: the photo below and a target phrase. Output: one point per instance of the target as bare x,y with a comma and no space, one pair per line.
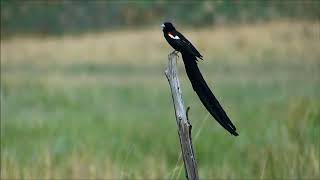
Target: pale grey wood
184,126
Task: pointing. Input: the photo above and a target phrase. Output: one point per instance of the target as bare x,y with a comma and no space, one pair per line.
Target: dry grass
247,43
96,105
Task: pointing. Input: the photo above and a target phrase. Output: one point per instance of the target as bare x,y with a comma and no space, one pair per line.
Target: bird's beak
162,25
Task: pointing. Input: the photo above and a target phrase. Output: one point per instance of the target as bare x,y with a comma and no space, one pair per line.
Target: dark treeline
57,17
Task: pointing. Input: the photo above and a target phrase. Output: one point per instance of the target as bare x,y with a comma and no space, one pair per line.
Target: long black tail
206,96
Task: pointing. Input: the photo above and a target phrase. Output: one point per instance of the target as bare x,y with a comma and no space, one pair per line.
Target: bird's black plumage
189,56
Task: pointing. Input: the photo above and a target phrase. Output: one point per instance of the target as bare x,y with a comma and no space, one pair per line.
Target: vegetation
58,17
98,105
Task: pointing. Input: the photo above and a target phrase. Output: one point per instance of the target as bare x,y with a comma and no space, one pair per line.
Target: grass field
99,105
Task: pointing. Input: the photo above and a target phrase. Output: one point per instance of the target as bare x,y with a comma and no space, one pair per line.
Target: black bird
189,55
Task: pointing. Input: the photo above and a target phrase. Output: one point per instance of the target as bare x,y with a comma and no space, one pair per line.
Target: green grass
95,120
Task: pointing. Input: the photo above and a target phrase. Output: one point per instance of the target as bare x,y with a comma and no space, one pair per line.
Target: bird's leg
175,52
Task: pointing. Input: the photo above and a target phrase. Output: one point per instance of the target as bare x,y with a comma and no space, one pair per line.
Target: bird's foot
175,52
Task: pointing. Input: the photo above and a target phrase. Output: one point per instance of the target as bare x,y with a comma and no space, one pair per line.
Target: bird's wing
185,44
206,96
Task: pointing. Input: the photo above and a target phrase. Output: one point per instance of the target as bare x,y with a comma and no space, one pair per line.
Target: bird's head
167,27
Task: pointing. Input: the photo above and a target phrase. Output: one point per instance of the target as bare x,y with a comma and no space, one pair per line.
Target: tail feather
206,96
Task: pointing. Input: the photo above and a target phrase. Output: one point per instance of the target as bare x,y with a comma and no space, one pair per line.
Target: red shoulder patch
173,37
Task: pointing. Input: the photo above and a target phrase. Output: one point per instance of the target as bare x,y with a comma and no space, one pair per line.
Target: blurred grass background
83,97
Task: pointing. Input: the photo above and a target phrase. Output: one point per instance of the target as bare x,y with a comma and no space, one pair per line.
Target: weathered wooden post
184,126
